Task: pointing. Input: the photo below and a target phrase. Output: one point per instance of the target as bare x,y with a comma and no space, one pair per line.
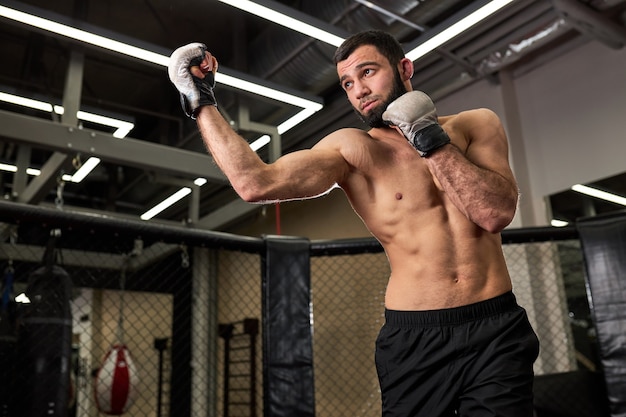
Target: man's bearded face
374,118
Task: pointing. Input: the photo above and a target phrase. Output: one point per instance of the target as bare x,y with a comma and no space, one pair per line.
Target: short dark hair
386,44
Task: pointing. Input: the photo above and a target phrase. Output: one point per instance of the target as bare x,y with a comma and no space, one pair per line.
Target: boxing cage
287,307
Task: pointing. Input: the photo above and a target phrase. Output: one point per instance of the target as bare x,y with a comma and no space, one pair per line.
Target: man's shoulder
481,114
352,132
343,136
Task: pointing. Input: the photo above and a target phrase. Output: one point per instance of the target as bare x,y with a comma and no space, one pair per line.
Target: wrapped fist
192,71
415,114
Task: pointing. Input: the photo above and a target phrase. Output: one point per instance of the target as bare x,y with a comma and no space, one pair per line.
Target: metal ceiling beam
244,123
73,88
39,186
59,161
226,214
592,23
130,152
20,179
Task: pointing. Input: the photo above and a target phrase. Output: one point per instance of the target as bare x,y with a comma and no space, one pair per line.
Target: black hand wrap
429,139
205,86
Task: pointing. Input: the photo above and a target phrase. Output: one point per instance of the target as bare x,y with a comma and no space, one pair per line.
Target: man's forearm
231,152
485,197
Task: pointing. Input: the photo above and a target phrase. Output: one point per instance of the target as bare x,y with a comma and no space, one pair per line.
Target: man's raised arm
300,174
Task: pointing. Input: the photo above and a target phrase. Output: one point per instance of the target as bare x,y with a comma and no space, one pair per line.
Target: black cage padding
603,241
287,331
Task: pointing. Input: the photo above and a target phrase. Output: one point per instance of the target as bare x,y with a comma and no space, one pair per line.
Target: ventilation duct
515,51
591,23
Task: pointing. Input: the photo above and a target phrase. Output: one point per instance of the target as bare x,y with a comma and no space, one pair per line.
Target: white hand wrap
415,114
194,92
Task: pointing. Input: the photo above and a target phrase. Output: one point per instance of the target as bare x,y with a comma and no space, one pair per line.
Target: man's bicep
308,173
488,146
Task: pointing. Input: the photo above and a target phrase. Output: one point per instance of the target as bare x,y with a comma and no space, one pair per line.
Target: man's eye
347,85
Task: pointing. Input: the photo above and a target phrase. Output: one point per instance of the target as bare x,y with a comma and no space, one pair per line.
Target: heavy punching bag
45,341
8,341
116,380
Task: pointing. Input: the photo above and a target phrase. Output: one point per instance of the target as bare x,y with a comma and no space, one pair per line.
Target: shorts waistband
456,315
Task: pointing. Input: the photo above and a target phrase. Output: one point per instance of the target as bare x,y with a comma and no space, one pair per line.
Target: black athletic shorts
474,360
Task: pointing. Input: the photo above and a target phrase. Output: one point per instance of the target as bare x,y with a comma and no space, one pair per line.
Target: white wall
573,117
480,94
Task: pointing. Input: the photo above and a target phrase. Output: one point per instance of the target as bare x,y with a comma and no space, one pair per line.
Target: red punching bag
116,381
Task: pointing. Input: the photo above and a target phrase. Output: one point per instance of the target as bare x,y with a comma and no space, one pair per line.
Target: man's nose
361,89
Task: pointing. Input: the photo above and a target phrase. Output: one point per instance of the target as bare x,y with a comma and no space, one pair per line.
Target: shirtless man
436,192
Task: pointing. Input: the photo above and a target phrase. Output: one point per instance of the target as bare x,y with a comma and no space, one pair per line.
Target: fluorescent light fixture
558,223
457,28
122,127
283,127
178,195
266,91
12,168
294,120
200,181
285,20
85,169
80,175
26,102
260,142
603,195
8,168
83,36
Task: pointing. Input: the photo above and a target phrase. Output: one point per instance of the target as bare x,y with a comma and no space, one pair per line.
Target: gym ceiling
163,153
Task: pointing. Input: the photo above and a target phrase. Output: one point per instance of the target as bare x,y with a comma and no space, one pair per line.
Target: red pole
277,205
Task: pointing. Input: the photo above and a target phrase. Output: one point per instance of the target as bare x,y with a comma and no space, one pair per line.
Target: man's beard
374,118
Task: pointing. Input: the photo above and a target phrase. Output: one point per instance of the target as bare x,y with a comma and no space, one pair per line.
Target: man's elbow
494,221
250,195
247,191
253,191
496,224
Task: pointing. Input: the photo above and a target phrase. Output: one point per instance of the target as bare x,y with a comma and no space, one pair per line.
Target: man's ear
405,67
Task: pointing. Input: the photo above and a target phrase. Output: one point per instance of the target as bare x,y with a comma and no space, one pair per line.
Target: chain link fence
549,282
187,308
